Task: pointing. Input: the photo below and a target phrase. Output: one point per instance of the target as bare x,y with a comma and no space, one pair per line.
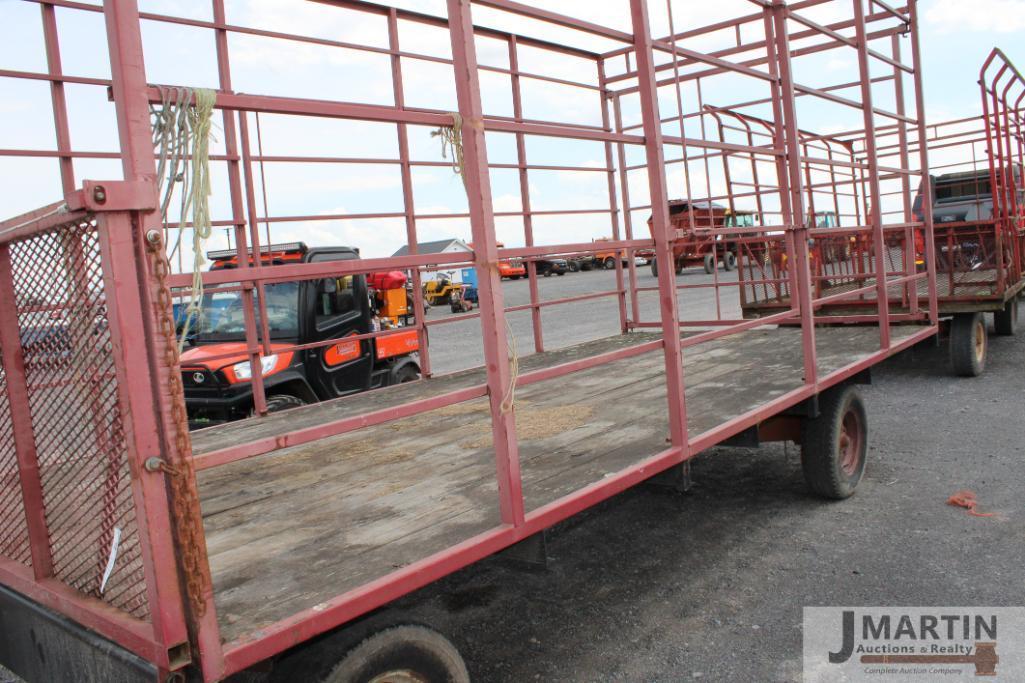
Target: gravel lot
457,345
657,586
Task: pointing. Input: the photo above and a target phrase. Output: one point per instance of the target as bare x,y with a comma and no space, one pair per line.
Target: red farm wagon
976,197
149,551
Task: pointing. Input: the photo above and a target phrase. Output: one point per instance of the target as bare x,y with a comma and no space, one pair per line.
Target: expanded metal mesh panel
14,543
76,415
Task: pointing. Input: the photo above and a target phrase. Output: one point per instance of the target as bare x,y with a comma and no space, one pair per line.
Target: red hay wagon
977,204
133,548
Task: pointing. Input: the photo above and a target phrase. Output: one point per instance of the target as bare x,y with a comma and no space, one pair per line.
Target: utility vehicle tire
573,266
403,654
730,261
609,263
407,373
679,268
969,345
709,264
279,402
1005,322
654,267
834,444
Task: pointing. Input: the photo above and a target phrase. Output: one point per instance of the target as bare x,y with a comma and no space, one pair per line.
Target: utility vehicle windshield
222,317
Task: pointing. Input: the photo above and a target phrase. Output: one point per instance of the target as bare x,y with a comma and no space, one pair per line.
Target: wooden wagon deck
298,526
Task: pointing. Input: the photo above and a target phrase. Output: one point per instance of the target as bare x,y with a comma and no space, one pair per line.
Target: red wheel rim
850,442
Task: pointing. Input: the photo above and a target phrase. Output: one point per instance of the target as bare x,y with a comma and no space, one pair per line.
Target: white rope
181,137
509,400
452,142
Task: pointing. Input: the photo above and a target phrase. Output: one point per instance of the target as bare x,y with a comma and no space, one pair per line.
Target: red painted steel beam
129,349
18,393
661,226
556,19
250,302
524,183
58,99
37,221
476,179
873,174
408,206
129,89
787,137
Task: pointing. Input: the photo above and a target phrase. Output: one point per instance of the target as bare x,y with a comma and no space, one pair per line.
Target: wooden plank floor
290,529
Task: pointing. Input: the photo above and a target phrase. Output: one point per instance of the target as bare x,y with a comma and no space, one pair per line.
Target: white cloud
958,16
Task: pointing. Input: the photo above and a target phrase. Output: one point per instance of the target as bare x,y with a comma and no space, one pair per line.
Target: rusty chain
184,495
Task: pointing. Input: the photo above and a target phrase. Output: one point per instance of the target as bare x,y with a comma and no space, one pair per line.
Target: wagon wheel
968,344
1005,322
709,263
402,654
834,444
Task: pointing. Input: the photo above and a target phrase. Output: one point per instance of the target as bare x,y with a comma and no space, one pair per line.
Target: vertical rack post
485,254
875,215
408,206
653,147
528,215
624,320
785,113
124,40
239,220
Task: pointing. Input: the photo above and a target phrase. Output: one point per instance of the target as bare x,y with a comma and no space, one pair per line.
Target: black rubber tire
969,345
709,264
573,266
730,262
832,464
407,373
417,651
609,263
679,268
278,402
561,273
654,267
1005,322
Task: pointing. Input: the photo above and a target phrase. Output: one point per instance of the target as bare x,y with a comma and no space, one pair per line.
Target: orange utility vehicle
217,374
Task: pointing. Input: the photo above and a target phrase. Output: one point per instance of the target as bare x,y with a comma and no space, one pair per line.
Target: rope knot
452,143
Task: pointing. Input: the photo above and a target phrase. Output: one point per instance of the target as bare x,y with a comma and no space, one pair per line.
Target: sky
956,36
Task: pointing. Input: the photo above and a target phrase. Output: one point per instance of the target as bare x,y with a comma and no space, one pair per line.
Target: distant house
449,246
